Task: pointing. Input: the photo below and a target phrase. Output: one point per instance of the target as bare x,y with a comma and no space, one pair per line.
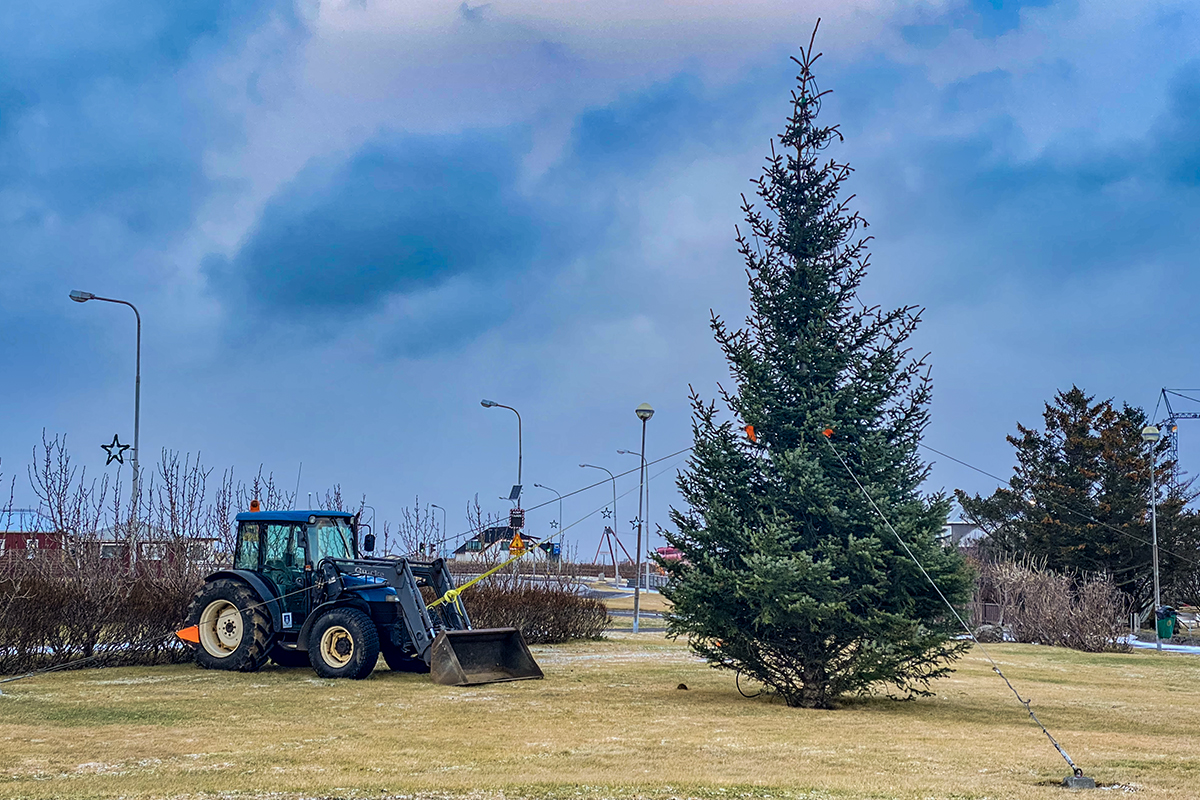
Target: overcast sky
345,222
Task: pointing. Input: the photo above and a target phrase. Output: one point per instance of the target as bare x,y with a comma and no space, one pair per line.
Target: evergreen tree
788,575
1079,499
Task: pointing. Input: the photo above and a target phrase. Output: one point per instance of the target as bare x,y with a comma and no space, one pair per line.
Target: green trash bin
1166,622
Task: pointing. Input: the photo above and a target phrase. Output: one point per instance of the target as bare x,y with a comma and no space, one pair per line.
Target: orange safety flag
750,433
828,433
191,634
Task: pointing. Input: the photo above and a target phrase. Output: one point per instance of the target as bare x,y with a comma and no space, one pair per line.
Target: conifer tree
1079,500
788,575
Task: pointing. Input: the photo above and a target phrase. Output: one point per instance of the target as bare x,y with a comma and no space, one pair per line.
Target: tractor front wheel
343,644
234,628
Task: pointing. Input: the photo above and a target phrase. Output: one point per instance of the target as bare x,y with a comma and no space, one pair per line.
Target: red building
24,532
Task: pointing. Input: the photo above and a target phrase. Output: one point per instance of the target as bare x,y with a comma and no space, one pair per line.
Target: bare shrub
1040,606
417,533
545,614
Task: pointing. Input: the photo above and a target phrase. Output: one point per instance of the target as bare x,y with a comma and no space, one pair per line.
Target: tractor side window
247,549
281,548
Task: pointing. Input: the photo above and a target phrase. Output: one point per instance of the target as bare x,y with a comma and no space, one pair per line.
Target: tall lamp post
616,569
644,413
1151,435
494,404
435,505
83,297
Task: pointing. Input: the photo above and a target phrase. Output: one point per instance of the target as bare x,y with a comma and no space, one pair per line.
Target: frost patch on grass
118,768
618,658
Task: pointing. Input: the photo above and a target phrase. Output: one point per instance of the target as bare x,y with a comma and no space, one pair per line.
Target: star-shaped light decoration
553,524
606,513
116,451
633,523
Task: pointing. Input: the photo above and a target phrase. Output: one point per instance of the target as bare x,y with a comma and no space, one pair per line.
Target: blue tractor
299,593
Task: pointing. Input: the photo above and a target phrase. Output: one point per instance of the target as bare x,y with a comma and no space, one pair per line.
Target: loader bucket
491,655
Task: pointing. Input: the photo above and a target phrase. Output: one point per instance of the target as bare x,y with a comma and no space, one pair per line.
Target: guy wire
953,610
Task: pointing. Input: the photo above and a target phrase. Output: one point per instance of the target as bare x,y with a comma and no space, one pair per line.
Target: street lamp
644,413
435,505
560,513
1151,435
83,297
494,404
616,569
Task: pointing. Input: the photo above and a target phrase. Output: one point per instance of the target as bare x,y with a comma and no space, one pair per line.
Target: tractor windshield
333,539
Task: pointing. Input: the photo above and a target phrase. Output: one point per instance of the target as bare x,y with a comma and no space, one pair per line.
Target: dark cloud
641,129
406,215
1178,136
403,214
95,116
996,17
985,19
52,50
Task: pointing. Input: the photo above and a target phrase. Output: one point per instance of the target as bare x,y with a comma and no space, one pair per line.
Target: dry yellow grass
608,721
651,601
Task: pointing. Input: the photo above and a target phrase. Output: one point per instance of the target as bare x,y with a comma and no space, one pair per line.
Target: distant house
24,532
493,545
962,534
155,544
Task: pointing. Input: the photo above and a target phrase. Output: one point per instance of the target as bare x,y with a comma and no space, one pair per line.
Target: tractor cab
286,547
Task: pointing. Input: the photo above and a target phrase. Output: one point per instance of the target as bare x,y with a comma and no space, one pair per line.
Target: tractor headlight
312,519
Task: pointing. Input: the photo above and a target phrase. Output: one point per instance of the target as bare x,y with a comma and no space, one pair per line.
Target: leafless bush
417,532
545,614
1037,605
116,573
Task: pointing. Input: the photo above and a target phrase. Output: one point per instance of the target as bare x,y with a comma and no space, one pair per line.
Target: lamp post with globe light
644,413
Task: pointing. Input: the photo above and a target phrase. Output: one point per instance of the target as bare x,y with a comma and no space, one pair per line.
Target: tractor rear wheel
343,644
400,660
234,627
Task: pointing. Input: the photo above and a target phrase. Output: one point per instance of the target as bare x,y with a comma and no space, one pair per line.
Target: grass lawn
607,722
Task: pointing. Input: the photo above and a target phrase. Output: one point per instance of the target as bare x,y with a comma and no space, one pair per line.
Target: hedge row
59,608
546,614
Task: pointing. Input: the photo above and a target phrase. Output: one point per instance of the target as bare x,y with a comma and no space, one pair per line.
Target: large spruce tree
788,575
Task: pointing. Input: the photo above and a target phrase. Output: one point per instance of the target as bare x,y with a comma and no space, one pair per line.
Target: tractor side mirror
369,542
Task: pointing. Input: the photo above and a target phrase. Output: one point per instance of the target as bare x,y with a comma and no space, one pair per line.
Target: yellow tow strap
452,595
